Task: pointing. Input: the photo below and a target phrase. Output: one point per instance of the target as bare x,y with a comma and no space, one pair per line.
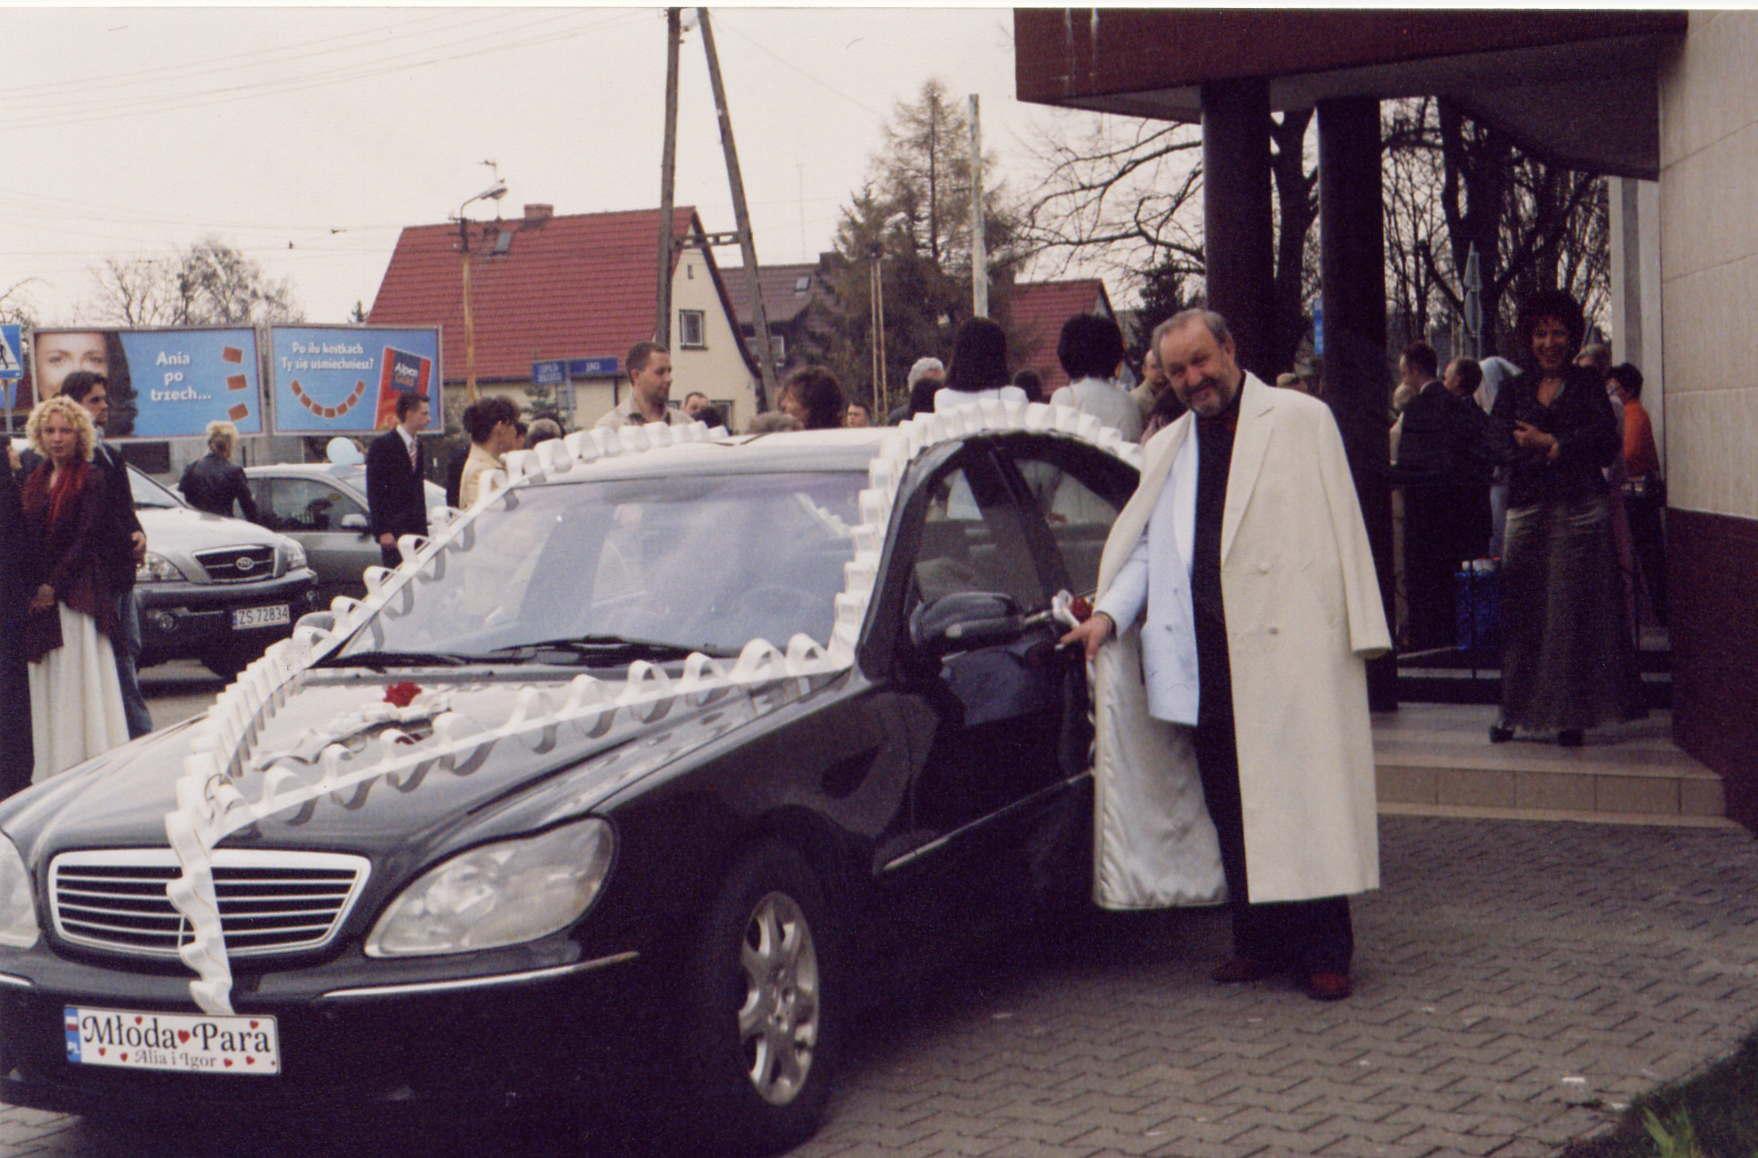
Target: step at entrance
1436,759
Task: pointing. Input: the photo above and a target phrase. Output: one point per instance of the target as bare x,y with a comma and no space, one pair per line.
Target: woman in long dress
1567,661
76,701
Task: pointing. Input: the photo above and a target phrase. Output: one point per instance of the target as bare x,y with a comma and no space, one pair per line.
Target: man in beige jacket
1240,574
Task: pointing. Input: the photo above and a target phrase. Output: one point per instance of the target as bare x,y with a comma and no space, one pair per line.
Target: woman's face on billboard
58,355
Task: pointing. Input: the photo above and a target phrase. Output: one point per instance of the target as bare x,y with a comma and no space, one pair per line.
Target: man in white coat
1240,590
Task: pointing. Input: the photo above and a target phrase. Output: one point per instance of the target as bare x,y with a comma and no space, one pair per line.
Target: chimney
538,214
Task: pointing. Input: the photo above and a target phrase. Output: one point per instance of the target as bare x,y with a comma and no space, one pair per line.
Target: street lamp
493,193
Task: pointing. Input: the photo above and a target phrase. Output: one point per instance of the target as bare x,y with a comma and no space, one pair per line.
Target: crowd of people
1548,463
1544,474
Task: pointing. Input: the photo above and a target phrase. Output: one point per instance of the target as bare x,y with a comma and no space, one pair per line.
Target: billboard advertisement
346,379
164,383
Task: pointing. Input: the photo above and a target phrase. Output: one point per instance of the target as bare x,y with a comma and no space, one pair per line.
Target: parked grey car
323,508
214,589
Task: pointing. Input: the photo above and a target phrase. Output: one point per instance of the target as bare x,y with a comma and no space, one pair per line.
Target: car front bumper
192,620
489,1038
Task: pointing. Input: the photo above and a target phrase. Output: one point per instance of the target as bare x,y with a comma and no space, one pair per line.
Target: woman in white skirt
76,701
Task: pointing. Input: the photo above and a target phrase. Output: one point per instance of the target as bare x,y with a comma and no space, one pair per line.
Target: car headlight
155,568
295,555
18,910
499,894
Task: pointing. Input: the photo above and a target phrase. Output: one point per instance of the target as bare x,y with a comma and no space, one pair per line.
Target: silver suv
215,589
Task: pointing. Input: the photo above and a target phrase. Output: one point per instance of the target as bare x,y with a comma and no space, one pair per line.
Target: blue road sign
11,363
552,372
594,367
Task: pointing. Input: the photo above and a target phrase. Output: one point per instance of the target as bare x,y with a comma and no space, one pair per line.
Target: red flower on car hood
400,694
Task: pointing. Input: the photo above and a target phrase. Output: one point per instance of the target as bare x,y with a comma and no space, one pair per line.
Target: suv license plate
246,618
170,1041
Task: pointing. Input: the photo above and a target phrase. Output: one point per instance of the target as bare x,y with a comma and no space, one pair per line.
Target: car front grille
238,564
270,902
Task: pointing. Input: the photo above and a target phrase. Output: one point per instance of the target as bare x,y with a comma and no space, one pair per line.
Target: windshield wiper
611,648
380,660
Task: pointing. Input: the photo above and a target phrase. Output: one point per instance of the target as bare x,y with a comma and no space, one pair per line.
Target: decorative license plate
169,1041
248,617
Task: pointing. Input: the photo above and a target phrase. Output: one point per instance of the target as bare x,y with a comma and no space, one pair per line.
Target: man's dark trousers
1313,936
126,646
19,566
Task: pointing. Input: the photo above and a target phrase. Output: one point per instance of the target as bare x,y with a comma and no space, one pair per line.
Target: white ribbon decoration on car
224,760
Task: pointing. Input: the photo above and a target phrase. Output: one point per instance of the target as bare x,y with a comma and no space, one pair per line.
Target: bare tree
208,284
134,291
1452,184
16,306
1119,197
1124,198
1296,208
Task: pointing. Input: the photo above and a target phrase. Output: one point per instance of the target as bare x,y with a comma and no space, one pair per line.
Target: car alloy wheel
761,1054
778,1022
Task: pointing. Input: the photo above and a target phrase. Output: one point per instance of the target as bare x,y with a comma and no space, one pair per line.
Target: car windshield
633,568
147,493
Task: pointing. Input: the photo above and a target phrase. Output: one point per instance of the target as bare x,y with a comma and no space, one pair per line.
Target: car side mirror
354,522
964,620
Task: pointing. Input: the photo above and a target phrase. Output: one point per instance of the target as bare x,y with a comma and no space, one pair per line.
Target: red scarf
62,499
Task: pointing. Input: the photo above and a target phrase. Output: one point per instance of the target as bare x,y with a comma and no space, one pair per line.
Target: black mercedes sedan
647,765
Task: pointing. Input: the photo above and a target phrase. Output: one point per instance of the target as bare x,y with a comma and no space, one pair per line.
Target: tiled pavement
1516,982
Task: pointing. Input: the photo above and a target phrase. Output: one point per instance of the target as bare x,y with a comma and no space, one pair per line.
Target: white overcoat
1303,614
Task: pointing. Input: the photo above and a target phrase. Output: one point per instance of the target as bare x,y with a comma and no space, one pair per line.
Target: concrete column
1238,242
1635,292
1352,263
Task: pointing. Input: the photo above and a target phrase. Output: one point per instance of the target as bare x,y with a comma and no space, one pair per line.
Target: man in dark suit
1444,462
18,563
127,541
396,501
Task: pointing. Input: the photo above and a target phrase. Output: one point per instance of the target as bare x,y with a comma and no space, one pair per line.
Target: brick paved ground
1516,981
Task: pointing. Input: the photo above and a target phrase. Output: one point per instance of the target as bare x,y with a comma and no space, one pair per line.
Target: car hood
337,723
182,529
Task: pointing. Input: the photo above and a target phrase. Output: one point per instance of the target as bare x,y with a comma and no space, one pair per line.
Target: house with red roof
1035,317
577,286
794,296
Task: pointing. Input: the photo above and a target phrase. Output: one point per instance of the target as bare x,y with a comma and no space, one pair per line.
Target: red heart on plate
254,1023
102,1051
182,1036
137,1020
228,1063
249,1061
124,1057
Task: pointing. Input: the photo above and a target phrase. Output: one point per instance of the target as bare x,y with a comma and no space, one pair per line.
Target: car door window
972,540
299,504
1079,492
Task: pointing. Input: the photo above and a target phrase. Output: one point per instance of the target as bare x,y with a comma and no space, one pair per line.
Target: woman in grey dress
1566,663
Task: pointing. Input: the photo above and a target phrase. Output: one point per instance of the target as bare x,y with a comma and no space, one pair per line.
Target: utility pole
469,318
979,245
876,310
493,193
747,246
667,177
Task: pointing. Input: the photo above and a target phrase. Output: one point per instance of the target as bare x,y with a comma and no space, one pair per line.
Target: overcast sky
309,136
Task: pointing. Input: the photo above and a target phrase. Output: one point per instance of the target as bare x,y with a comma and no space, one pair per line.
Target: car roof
802,450
309,469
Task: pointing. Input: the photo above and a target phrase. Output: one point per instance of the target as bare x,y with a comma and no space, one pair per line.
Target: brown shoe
1238,970
1324,986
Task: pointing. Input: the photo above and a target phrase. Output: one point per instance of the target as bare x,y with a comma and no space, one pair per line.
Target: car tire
762,1031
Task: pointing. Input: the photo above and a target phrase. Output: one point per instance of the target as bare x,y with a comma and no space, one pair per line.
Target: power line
817,80
232,60
371,71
